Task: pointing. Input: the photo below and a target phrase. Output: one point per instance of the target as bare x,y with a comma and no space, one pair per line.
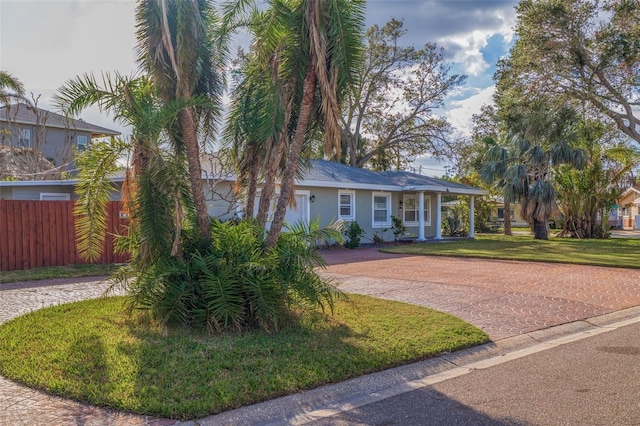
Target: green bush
234,283
453,223
352,234
398,228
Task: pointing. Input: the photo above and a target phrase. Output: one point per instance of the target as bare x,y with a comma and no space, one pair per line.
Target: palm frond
96,166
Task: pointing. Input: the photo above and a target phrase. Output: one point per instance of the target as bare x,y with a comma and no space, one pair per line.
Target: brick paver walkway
504,298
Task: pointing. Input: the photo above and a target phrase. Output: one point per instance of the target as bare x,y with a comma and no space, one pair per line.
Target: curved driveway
504,298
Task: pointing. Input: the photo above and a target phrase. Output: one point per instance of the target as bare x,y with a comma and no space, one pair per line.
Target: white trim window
381,209
347,205
54,196
25,138
410,210
81,142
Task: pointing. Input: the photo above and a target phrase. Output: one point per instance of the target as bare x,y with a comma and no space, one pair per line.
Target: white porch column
421,216
438,223
471,217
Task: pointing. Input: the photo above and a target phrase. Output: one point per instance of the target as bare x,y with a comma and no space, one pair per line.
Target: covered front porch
421,212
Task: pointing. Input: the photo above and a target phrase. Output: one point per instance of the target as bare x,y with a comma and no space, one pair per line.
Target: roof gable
24,114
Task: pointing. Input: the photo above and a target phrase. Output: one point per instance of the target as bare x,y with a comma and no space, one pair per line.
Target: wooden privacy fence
42,233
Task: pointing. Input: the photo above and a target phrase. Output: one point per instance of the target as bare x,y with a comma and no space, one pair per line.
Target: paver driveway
504,298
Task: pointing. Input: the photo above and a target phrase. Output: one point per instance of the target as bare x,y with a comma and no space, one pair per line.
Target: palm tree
156,203
11,88
257,128
522,167
179,49
322,52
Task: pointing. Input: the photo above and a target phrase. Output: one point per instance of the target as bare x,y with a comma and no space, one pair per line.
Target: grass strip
615,252
93,352
45,273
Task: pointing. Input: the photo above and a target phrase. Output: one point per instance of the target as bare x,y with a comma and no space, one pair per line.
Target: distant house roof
22,113
335,175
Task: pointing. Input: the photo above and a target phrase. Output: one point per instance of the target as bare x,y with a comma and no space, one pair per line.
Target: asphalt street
594,381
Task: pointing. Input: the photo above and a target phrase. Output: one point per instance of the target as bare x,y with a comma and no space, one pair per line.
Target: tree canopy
584,50
390,114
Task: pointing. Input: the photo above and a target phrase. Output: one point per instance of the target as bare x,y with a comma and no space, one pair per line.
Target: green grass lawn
46,273
91,351
616,252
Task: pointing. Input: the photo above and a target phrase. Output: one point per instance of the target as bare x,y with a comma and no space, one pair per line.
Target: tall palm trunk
192,149
507,218
540,230
269,186
294,154
251,191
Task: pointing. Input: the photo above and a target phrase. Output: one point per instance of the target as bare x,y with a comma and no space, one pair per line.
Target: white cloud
461,111
467,50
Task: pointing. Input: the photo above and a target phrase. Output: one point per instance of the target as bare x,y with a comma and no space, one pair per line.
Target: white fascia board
63,182
446,190
348,185
219,177
629,190
39,183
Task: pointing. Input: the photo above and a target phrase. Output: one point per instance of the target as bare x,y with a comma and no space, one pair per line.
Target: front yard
92,351
617,252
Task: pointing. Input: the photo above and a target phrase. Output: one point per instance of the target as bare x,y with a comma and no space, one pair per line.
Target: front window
381,210
411,210
25,138
346,205
81,142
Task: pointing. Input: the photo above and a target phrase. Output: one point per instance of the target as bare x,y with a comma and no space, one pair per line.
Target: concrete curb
325,401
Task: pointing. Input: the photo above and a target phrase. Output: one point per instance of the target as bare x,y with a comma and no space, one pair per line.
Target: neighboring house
55,135
498,214
628,210
329,190
47,190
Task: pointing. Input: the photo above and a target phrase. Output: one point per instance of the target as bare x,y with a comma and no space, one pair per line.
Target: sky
47,42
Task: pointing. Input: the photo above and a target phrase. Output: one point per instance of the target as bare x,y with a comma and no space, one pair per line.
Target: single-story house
334,191
328,190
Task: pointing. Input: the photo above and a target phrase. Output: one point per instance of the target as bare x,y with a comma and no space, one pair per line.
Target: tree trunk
251,192
269,186
507,218
540,230
294,154
192,148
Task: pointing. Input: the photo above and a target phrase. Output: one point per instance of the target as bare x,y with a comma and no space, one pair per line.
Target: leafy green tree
583,50
587,196
182,46
389,115
11,89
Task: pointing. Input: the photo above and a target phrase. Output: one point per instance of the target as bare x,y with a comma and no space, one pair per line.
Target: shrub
453,223
398,228
352,234
234,283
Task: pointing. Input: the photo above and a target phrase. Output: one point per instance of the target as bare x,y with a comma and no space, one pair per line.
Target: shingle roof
328,173
24,114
